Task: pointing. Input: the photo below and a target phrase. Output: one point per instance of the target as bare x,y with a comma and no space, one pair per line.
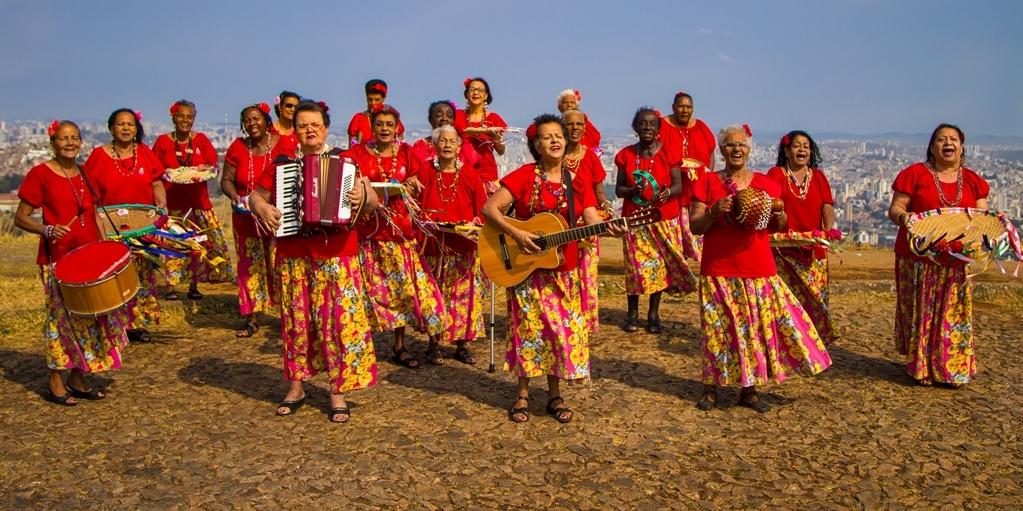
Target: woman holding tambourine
654,258
934,307
79,343
126,171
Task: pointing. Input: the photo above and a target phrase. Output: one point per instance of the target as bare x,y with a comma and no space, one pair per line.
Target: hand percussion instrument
191,174
963,235
97,277
388,189
468,231
805,239
752,208
647,182
127,220
313,191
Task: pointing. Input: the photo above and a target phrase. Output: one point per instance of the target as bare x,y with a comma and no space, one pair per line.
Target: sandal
91,394
292,406
463,355
66,400
708,400
926,382
753,402
433,356
521,414
559,412
171,296
139,335
247,331
631,324
339,415
194,294
410,361
653,325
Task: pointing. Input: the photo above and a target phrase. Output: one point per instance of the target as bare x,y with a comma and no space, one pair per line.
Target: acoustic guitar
505,264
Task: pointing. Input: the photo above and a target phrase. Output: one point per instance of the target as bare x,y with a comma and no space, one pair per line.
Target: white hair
566,92
734,128
436,133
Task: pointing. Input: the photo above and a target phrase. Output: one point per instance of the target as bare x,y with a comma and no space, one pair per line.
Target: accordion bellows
752,208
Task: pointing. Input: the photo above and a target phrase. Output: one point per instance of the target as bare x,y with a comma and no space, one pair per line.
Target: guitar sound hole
541,241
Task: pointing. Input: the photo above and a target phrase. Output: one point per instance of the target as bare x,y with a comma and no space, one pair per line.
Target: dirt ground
189,422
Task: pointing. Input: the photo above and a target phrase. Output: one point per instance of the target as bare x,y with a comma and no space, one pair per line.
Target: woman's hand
616,228
266,214
414,185
58,231
722,206
664,194
524,240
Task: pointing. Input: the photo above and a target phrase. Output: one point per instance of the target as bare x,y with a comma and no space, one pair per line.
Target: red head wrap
379,87
52,128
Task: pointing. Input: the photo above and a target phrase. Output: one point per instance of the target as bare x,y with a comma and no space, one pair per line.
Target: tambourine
951,236
645,180
190,175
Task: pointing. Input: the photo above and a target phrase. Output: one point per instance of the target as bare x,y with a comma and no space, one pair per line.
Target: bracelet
47,231
606,202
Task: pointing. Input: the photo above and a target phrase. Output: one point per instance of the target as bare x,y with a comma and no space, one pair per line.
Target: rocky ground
189,422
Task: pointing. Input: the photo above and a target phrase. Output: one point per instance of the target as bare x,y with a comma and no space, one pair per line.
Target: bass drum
97,278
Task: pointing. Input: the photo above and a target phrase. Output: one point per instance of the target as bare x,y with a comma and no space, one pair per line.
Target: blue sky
858,66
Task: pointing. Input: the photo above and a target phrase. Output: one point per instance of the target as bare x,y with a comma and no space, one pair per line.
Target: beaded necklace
385,175
185,161
801,189
117,160
941,193
683,132
447,193
252,156
558,190
78,193
572,164
638,160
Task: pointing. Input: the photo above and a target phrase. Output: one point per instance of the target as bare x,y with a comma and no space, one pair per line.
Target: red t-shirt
247,171
917,181
697,142
804,214
729,250
659,167
592,168
119,182
319,244
360,130
63,203
399,167
290,140
522,185
452,200
181,197
591,136
482,143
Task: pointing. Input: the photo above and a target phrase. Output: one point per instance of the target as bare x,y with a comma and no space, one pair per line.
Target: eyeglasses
735,145
477,89
289,105
309,127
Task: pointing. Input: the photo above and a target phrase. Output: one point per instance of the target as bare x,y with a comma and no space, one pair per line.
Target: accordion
752,209
313,192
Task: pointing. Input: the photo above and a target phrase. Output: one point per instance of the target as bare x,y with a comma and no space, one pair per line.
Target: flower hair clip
453,105
786,140
531,131
323,105
277,100
749,132
466,82
578,95
174,108
138,115
265,108
52,128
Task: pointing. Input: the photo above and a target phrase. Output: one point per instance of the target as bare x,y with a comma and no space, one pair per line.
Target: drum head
92,262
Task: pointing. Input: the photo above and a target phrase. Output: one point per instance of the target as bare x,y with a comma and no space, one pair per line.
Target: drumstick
68,225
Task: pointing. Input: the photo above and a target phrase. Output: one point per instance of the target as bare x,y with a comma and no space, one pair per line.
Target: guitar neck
575,234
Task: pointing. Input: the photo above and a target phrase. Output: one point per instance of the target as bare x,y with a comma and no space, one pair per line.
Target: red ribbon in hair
531,132
174,108
578,95
323,105
785,140
745,127
265,108
466,82
51,130
379,87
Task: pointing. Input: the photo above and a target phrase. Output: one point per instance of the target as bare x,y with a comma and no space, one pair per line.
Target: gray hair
572,111
733,128
436,133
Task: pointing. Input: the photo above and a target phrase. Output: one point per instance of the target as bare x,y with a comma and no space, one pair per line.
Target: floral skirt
463,289
934,321
589,260
807,278
324,322
654,260
178,270
755,330
87,343
255,267
548,334
143,310
692,244
401,290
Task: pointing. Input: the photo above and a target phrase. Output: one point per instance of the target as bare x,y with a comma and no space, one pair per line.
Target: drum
97,277
130,220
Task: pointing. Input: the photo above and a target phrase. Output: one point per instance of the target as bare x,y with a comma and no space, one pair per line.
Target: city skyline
856,67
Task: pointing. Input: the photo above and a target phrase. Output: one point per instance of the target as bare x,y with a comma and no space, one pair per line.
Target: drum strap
567,176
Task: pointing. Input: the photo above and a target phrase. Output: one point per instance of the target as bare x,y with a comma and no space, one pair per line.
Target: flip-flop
91,394
559,412
247,331
65,400
292,406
